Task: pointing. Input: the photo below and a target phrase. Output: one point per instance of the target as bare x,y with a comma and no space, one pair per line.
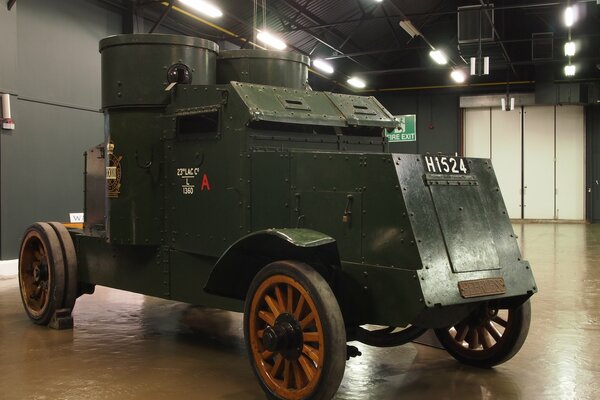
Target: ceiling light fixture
323,66
507,106
438,56
271,40
409,28
570,16
356,82
480,65
203,7
458,76
570,49
570,70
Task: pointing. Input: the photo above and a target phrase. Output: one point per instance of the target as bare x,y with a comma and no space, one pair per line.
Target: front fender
232,274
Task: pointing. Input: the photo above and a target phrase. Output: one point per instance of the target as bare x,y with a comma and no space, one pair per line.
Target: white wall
8,268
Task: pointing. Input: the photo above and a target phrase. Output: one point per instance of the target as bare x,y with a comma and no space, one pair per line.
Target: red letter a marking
205,184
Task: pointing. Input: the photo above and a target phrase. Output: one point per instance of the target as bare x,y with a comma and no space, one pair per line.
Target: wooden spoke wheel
489,336
294,332
43,269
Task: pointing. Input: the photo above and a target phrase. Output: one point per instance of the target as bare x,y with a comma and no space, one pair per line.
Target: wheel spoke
290,299
493,331
298,379
307,320
461,332
308,367
286,374
272,306
37,293
500,321
299,307
277,365
266,354
311,336
267,317
280,300
484,337
473,339
260,333
312,353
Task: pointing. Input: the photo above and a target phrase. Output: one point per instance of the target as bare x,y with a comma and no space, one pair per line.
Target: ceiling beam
397,17
485,8
162,16
315,36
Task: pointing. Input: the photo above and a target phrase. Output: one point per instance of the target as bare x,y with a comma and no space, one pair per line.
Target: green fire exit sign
406,132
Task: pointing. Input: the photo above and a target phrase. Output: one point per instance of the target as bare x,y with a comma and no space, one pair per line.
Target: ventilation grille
542,46
470,20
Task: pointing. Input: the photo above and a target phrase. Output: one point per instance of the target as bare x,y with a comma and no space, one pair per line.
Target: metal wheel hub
482,316
284,337
40,273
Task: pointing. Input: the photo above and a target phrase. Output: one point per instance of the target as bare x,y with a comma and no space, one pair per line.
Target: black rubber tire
503,350
46,236
70,259
333,328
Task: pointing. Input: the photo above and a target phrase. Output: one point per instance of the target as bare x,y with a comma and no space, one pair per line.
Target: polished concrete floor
127,346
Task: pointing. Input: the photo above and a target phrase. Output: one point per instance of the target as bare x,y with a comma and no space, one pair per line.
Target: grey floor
127,346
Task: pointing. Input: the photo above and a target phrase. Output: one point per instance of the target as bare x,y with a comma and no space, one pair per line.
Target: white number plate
446,165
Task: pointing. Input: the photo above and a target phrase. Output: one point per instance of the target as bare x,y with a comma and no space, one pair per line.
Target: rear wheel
294,333
41,273
70,261
488,337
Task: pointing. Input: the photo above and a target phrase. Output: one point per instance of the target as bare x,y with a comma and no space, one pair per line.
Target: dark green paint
134,67
265,67
224,179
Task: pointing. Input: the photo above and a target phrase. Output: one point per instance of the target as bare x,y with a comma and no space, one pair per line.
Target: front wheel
489,336
294,333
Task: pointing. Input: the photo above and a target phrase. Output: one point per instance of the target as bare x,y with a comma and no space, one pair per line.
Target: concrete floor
127,346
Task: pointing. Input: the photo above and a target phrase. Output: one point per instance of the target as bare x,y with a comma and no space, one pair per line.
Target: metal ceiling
363,37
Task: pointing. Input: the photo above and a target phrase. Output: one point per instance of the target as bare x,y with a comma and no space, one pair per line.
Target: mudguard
233,272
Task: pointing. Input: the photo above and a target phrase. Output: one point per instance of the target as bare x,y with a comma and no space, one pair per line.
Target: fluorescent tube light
409,28
570,70
356,82
570,16
323,66
438,56
570,49
458,76
203,7
271,40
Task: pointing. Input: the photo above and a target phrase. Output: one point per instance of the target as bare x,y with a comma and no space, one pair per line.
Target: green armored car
225,181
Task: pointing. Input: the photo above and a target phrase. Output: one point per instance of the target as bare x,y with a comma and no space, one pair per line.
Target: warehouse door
538,155
506,157
570,163
538,163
